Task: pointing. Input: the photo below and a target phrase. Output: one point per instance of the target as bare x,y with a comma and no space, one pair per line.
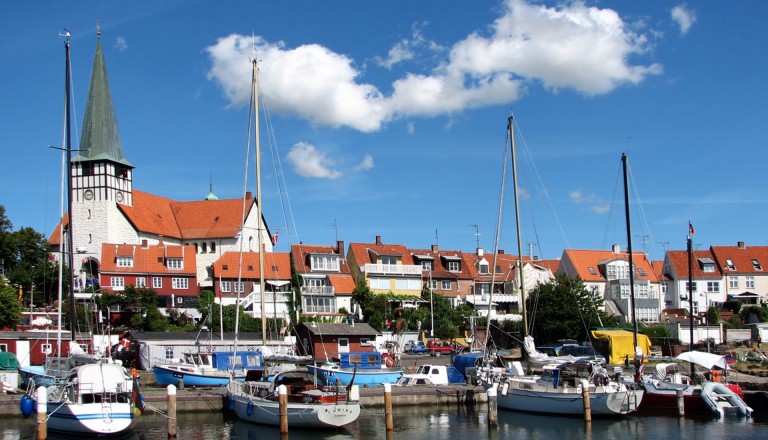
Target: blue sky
389,118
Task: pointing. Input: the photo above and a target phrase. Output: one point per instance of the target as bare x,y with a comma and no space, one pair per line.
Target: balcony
393,269
318,290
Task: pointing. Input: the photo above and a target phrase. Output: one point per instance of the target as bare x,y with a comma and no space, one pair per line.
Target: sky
390,118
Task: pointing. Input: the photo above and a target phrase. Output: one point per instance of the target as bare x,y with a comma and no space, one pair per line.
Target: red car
436,348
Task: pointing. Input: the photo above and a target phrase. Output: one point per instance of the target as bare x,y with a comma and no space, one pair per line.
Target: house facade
385,268
705,274
445,272
326,282
745,272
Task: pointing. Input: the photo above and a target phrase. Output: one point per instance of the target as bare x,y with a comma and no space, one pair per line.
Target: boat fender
504,389
249,408
601,380
27,406
390,362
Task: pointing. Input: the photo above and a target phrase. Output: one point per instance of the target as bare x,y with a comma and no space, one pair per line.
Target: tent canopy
621,343
707,360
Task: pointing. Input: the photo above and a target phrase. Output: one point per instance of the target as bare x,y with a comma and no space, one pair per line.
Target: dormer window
453,266
641,272
325,262
389,259
756,264
592,271
124,261
706,264
729,265
426,265
483,268
175,263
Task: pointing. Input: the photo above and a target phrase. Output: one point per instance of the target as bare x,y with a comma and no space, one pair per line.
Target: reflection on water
433,423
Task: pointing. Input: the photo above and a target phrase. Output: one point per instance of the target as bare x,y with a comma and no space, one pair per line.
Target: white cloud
596,204
366,164
571,46
683,17
308,161
120,44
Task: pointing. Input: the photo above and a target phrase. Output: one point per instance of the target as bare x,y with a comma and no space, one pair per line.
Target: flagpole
690,290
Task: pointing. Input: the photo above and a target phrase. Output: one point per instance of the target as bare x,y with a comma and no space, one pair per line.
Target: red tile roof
439,263
149,259
343,284
365,253
582,260
678,260
277,266
302,252
742,257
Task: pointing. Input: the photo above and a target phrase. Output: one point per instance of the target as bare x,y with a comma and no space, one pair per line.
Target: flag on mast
690,229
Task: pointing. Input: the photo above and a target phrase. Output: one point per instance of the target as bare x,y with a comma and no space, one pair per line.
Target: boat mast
68,149
511,128
259,223
629,250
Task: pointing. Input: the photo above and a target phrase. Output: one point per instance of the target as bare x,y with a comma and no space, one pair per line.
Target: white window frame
174,263
426,265
445,284
713,286
453,266
180,283
733,282
117,282
225,286
432,284
325,262
380,283
141,282
124,262
750,282
168,353
157,282
239,286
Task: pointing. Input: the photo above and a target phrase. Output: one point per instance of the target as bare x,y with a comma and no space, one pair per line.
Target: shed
325,341
619,344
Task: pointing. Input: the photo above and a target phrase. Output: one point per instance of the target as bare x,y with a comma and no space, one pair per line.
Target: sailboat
311,402
99,397
558,390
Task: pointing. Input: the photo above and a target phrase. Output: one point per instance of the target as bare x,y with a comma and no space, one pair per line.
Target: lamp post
32,296
706,315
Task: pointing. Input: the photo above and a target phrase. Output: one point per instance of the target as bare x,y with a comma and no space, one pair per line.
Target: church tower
101,176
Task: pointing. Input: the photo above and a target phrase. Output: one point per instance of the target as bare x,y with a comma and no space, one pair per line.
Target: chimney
378,239
144,243
434,248
741,245
340,248
248,195
160,240
500,251
615,249
480,252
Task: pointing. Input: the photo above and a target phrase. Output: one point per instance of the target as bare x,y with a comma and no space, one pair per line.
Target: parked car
437,348
415,347
581,352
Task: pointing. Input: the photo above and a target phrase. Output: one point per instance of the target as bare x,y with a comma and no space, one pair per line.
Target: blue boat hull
373,377
165,376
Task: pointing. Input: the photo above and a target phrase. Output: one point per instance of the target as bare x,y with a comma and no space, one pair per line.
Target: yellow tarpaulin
621,343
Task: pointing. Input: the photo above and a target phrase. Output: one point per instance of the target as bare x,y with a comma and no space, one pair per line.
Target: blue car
415,347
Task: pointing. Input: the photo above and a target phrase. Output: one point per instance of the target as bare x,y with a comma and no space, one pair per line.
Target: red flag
274,238
690,228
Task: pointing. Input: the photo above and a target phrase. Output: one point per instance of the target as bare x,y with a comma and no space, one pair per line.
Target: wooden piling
388,407
680,403
493,410
171,417
181,384
42,413
587,402
282,392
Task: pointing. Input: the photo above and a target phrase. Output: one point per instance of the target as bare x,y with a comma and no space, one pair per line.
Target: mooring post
171,418
42,413
493,410
680,403
282,392
388,407
587,402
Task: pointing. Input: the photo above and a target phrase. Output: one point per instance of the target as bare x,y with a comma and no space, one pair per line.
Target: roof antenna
477,235
98,28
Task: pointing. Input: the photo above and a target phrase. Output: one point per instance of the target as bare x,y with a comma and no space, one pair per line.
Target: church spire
100,137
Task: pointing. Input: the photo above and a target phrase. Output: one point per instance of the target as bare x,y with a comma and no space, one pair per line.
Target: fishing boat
97,398
367,368
561,387
208,368
308,401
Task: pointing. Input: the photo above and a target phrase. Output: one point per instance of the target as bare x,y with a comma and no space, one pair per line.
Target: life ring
389,362
249,408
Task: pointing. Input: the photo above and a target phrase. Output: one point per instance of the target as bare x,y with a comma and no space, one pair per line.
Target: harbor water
436,423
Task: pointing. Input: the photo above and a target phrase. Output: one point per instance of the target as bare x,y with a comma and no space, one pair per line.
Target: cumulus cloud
308,161
593,200
366,164
683,17
120,44
570,46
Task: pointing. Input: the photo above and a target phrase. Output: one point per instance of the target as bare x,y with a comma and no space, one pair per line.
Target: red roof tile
583,260
741,259
277,266
149,259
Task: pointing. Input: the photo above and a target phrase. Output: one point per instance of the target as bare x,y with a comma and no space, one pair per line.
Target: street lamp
706,315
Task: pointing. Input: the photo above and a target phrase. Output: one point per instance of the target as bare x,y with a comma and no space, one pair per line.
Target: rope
156,410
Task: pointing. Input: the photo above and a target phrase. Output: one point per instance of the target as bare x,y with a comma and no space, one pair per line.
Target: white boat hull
91,418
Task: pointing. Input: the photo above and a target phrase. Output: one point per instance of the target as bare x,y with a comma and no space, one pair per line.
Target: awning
278,283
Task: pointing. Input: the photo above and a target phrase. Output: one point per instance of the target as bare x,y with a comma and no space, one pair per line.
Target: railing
318,290
393,269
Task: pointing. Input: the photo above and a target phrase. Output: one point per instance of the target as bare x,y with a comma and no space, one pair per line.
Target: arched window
197,250
204,247
213,246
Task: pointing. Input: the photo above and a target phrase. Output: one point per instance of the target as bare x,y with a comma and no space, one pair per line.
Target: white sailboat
100,397
558,390
311,403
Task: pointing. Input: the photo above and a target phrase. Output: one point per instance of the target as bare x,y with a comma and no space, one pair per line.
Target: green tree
564,309
713,315
10,307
